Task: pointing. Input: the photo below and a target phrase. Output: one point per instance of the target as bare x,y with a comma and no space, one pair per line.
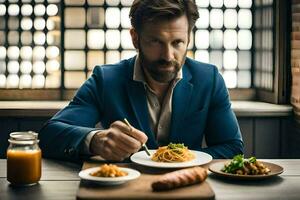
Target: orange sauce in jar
23,167
24,159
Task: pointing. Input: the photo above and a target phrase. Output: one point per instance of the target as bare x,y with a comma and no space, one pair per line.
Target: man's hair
143,11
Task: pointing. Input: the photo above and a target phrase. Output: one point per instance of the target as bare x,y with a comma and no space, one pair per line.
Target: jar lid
25,137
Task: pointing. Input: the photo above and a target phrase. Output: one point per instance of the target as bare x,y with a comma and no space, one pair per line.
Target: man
165,96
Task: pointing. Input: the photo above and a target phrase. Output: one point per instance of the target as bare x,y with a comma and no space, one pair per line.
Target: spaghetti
173,153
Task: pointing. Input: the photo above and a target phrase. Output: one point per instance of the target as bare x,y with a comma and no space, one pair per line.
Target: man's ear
134,38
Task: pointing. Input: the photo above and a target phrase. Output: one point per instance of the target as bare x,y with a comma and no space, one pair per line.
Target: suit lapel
181,99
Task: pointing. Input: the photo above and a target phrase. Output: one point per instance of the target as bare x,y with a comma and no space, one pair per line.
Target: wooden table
60,181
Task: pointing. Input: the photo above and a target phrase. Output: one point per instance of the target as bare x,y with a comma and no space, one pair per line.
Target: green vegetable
237,163
176,146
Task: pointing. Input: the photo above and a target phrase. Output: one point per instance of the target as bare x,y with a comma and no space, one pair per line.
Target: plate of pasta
109,174
171,156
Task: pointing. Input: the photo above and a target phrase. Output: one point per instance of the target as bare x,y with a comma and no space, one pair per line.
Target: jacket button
71,151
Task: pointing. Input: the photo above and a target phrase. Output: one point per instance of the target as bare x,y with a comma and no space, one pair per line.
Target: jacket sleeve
62,137
222,134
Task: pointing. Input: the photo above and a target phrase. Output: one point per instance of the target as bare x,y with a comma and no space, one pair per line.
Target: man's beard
157,68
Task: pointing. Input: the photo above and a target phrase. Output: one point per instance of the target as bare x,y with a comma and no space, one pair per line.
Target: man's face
162,48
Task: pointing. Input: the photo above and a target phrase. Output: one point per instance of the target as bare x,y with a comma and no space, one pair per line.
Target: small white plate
143,159
131,174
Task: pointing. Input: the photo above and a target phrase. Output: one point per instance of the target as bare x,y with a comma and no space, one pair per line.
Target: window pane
39,23
52,52
13,38
13,52
230,79
74,17
244,39
74,60
126,2
202,39
38,67
2,80
2,53
230,3
202,55
95,17
52,10
127,54
112,2
244,79
95,2
245,18
126,42
112,39
216,58
2,10
112,17
245,3
39,38
95,39
38,81
244,60
26,23
203,21
74,79
39,53
13,23
74,2
230,18
26,38
52,66
13,10
125,21
230,39
13,67
53,80
95,58
230,59
26,67
112,57
12,81
216,18
2,38
39,10
26,10
216,3
202,3
26,53
216,39
74,39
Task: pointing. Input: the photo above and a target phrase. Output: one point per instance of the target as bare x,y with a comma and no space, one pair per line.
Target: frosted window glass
112,57
39,38
202,39
26,67
216,3
95,58
52,10
39,23
203,20
13,67
74,79
52,66
230,3
230,79
12,81
26,10
26,23
52,52
126,2
245,3
2,38
38,81
125,20
13,37
75,39
230,39
202,55
112,39
2,10
202,3
216,39
39,53
127,54
245,18
74,17
13,52
25,81
2,52
74,60
216,18
53,81
2,81
244,79
126,42
38,67
39,10
26,52
95,2
95,39
13,10
112,17
230,18
74,2
26,38
216,58
2,67
95,17
13,23
112,2
244,60
230,59
244,39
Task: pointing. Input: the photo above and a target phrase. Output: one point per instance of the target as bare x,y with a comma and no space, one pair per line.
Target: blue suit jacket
200,108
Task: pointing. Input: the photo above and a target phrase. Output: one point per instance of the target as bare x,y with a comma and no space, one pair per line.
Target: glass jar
23,159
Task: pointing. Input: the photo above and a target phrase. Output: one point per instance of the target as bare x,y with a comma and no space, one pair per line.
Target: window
49,48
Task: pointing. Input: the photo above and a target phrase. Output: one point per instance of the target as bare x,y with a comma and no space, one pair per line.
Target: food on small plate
173,153
109,170
242,166
180,178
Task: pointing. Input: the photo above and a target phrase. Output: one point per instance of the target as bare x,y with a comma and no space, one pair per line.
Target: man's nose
167,53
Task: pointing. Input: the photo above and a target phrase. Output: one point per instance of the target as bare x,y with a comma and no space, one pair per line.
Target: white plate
131,174
143,159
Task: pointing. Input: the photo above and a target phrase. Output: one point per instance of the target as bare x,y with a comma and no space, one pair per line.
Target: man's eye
178,42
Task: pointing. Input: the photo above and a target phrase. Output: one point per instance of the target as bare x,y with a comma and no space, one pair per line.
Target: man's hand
118,142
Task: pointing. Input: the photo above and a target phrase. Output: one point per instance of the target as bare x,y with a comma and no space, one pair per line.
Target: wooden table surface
60,181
